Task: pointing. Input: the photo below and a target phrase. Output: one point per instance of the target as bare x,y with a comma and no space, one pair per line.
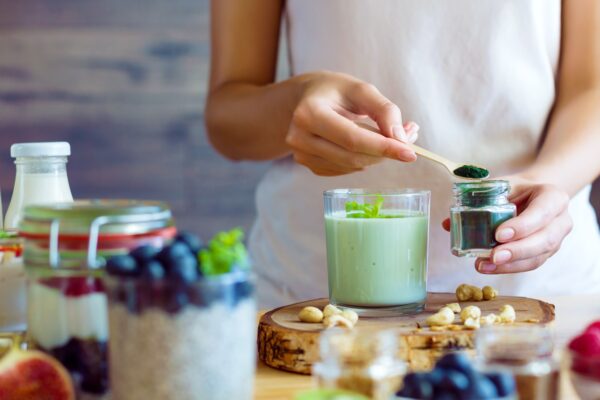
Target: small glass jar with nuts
360,361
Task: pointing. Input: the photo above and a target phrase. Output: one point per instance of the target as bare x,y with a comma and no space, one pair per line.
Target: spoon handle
449,165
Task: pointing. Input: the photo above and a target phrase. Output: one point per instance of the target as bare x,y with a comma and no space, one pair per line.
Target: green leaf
329,394
355,210
225,251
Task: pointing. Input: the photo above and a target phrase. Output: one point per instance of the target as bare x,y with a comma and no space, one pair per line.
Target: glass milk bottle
41,177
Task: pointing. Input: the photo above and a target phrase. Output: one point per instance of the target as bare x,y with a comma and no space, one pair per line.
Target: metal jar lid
90,219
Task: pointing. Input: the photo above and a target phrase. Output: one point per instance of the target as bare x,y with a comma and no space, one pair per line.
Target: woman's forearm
570,155
249,122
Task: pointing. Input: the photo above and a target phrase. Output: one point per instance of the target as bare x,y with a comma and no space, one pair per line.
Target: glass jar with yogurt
41,177
377,249
65,247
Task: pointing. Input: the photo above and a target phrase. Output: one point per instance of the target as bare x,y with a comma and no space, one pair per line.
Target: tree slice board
286,343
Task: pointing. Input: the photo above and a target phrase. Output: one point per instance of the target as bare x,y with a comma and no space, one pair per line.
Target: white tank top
478,77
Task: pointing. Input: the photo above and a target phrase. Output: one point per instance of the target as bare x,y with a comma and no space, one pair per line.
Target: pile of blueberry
169,278
454,378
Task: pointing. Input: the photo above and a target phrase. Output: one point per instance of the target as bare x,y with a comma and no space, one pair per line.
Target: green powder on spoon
471,171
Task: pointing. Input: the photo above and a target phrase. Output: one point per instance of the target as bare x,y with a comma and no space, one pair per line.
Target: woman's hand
534,235
323,134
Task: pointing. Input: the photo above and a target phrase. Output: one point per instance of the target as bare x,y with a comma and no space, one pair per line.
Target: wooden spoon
457,169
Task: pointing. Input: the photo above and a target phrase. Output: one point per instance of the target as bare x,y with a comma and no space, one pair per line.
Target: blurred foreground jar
528,352
364,362
65,247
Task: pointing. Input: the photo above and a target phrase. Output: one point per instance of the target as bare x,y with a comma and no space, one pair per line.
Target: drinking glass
377,249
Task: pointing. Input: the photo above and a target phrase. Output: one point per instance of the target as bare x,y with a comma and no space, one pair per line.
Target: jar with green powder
479,208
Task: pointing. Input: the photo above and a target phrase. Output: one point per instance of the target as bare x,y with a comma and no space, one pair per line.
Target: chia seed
197,353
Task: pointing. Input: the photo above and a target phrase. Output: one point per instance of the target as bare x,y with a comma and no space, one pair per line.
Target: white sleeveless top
478,77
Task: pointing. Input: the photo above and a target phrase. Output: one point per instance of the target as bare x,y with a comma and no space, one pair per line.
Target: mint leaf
225,251
355,210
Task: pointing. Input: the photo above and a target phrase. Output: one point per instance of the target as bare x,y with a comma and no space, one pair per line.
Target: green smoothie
377,262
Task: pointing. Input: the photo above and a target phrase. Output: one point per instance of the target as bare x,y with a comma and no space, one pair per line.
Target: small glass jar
65,246
41,177
526,351
360,361
479,208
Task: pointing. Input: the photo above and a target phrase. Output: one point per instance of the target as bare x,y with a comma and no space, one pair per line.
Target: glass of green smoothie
377,249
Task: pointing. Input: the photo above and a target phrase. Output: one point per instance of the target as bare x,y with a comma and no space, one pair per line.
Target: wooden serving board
286,343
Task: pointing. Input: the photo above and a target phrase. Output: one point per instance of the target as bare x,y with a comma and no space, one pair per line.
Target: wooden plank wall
123,81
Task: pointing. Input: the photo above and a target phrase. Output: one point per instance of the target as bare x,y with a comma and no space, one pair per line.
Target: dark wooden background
124,82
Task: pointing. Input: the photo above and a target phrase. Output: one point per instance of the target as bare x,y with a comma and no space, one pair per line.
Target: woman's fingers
543,205
321,166
544,241
345,133
331,152
367,99
484,266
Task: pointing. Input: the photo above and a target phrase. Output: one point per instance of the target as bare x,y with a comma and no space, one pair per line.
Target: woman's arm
310,116
569,158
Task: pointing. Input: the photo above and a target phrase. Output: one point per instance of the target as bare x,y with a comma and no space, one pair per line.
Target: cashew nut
473,312
310,314
507,314
472,323
350,315
476,294
466,292
463,292
337,320
330,310
455,307
489,293
443,317
489,319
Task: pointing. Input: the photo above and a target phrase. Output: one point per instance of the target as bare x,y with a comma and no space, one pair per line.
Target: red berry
593,327
586,344
75,286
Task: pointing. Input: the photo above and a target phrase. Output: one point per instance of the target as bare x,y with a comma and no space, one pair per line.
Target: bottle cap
40,149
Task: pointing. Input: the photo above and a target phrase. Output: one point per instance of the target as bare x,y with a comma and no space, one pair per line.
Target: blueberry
436,375
504,382
442,395
417,386
193,242
184,269
122,265
455,361
480,388
454,381
176,300
169,255
243,290
144,253
152,270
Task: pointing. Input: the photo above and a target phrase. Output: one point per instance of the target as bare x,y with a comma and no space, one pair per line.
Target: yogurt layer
55,318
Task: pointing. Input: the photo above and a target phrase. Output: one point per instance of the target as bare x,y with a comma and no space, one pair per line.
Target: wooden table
573,313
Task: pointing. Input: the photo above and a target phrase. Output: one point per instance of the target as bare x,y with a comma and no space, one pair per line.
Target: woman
481,79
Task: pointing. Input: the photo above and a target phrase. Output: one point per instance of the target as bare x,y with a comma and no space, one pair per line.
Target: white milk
36,189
